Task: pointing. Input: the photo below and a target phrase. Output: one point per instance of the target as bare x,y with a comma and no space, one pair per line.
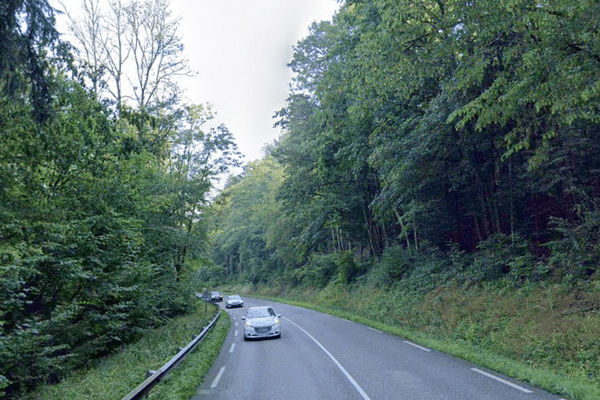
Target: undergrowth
115,376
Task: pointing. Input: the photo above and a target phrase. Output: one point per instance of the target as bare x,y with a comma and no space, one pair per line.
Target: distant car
262,322
204,296
234,301
216,296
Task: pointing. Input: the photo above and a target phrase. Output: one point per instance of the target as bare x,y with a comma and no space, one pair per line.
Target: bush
348,268
395,263
576,250
502,255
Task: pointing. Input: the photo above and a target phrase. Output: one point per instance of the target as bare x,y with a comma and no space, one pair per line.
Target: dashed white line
521,388
336,362
417,346
236,333
217,378
232,347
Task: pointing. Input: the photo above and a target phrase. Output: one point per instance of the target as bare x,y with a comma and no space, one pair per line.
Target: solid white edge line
417,346
521,388
217,378
373,329
336,362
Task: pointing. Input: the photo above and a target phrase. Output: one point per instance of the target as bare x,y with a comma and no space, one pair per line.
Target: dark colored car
205,295
216,297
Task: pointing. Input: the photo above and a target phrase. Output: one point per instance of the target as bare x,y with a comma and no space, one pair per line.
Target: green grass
536,333
181,384
115,376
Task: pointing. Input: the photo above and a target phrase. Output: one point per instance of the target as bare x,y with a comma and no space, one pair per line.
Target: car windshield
234,297
259,313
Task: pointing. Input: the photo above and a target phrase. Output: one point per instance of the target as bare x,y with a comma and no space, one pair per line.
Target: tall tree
156,50
200,154
28,40
138,44
88,33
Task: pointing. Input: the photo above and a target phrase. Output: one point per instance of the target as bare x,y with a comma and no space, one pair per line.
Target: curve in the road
336,362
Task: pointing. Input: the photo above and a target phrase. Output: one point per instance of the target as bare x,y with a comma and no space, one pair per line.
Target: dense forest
102,185
440,139
460,132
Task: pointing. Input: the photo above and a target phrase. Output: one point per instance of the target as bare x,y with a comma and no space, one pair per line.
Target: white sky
240,50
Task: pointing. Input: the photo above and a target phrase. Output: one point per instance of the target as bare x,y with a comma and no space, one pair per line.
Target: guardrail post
148,375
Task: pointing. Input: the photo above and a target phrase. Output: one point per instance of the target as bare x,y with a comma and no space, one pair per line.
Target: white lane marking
521,388
417,346
217,378
236,333
236,323
232,347
373,329
336,362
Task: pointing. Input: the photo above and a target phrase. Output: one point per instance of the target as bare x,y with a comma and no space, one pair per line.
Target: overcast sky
240,50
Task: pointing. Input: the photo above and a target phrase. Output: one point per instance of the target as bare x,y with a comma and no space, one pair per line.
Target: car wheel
245,338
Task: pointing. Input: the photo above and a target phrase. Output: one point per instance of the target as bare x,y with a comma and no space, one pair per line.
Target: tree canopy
443,126
102,208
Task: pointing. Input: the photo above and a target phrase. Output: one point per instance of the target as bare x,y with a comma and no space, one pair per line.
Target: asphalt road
324,357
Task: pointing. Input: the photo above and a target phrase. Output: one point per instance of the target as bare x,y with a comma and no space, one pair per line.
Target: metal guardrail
157,376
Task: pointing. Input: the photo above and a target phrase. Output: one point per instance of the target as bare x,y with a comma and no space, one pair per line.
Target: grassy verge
181,384
544,334
115,376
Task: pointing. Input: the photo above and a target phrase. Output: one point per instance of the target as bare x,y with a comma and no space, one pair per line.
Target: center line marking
217,378
354,383
232,347
521,388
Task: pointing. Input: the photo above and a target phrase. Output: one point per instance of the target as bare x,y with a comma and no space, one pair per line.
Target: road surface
324,357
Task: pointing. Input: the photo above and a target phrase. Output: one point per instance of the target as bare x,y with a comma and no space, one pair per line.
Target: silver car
262,322
234,301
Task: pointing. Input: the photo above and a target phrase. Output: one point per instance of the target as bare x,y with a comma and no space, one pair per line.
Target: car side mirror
243,318
278,315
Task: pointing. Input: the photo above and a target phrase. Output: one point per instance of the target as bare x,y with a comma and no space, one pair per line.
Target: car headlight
248,324
276,324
